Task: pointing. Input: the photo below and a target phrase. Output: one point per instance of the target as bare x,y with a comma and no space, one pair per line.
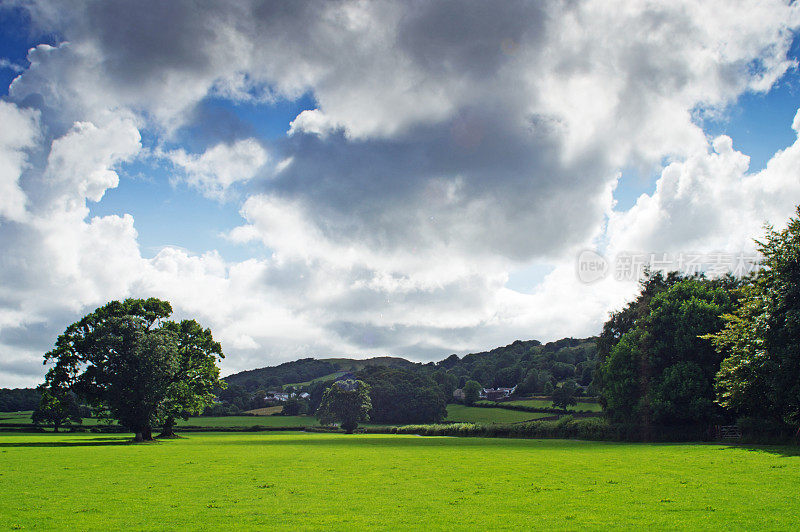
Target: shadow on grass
785,451
83,442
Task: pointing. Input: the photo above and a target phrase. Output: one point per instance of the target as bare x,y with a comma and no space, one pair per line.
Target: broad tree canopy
129,360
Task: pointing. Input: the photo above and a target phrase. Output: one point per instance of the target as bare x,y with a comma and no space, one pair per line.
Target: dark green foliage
472,390
447,383
57,407
565,395
16,399
528,363
125,358
760,376
661,371
403,396
346,402
294,407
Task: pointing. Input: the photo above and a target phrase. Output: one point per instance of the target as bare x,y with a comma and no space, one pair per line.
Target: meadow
289,480
546,403
474,414
455,413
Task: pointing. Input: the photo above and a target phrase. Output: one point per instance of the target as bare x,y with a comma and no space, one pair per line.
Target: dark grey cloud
505,171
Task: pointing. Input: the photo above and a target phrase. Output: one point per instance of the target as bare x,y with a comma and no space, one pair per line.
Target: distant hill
533,366
527,362
303,371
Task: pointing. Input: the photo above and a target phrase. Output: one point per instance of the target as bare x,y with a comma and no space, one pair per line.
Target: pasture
547,403
474,414
455,413
310,481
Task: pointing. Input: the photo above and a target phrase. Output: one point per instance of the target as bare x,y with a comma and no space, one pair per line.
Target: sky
317,179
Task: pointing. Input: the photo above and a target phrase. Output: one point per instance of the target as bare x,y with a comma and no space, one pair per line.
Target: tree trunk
143,434
168,430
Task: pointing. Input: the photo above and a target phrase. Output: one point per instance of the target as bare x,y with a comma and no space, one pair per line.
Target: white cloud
312,121
222,166
19,133
450,144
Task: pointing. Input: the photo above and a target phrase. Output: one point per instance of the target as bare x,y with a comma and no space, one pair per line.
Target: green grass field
457,413
15,417
474,414
249,421
545,403
333,481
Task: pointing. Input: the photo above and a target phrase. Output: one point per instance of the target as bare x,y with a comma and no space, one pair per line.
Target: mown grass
16,417
474,414
266,411
249,421
455,413
334,481
546,403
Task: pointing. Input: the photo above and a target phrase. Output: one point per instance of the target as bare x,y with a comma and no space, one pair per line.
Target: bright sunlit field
310,481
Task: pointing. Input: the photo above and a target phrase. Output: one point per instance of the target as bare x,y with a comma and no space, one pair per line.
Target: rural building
284,396
493,394
458,394
278,396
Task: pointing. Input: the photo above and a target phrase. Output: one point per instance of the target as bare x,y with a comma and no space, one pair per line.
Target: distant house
284,396
495,394
278,396
459,394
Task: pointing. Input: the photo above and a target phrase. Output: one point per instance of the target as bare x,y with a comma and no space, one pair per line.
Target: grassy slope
324,378
313,481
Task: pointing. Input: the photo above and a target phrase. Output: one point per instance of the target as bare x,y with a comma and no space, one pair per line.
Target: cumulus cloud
217,169
450,144
19,133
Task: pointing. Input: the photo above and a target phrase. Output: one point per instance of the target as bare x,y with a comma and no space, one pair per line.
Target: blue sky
352,179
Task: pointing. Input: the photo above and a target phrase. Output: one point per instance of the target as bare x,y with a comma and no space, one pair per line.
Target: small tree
564,395
472,391
57,407
294,407
346,402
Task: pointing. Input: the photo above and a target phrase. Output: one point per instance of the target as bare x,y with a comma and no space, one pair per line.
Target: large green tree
661,371
127,359
346,402
760,375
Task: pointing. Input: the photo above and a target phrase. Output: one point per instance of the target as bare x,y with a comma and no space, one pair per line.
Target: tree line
696,351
